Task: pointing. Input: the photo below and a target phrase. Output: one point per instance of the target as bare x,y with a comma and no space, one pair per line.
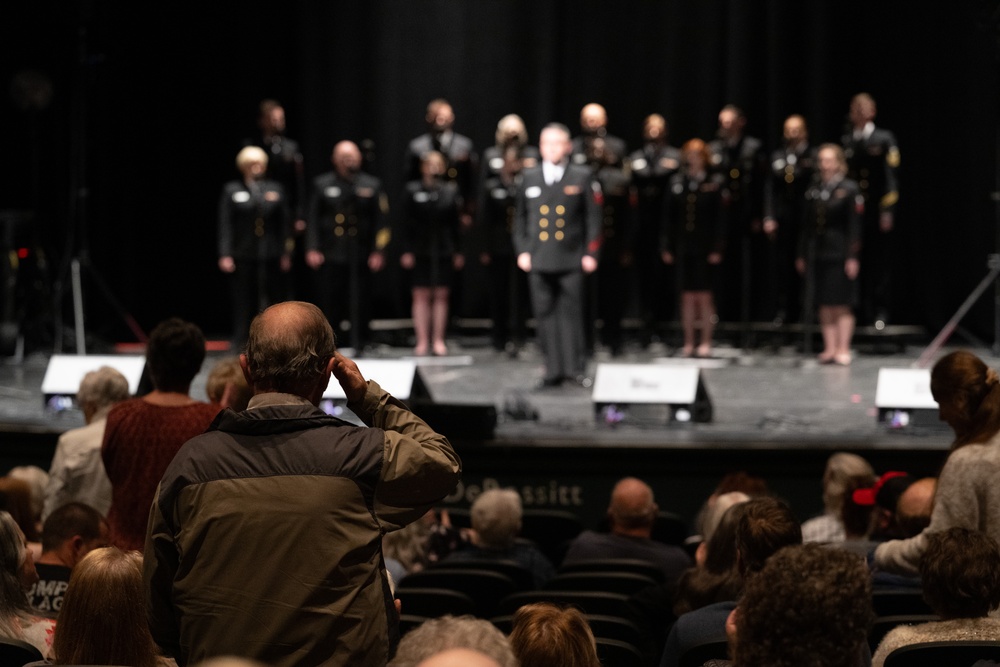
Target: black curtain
171,90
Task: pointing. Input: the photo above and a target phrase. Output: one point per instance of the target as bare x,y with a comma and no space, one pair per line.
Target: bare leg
440,314
828,327
689,313
421,318
706,313
845,331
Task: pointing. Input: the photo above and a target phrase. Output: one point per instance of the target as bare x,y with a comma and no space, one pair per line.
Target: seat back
619,654
940,654
434,602
625,583
17,652
485,587
630,565
551,530
522,576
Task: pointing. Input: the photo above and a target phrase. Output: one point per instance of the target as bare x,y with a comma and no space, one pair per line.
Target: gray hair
447,632
102,388
841,469
496,518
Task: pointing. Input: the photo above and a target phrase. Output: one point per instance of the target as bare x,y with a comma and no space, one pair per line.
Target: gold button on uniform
789,178
559,236
543,223
734,174
353,231
339,218
560,223
543,209
560,209
452,173
544,236
338,231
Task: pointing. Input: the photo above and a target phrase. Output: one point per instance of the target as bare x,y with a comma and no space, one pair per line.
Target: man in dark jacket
265,534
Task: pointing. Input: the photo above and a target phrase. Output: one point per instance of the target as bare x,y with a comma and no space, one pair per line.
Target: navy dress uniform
831,234
651,169
605,155
255,230
792,170
694,226
497,212
743,165
557,225
347,222
873,163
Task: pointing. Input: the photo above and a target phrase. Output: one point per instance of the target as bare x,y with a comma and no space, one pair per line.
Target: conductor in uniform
872,161
345,239
557,239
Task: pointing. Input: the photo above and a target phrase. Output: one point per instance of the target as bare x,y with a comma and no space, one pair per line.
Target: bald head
289,350
346,158
913,509
459,657
632,510
593,117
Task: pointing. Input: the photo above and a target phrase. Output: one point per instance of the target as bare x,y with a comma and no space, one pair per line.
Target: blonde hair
250,154
103,616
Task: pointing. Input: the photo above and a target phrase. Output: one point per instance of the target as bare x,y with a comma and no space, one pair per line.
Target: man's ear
245,367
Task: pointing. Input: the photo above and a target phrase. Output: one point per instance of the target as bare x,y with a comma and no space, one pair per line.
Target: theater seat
944,654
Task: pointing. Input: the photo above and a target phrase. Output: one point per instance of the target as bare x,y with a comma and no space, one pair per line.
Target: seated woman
961,583
544,635
103,617
17,574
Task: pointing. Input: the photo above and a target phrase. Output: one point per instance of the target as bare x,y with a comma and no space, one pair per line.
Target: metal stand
993,264
77,256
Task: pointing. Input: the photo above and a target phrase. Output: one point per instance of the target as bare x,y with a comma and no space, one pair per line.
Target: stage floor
761,399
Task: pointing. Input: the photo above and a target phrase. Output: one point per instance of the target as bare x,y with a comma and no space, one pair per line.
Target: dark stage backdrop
171,90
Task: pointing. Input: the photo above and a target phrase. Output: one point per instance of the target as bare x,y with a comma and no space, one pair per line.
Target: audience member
143,434
716,576
453,632
37,480
857,519
69,534
17,574
459,657
102,621
543,635
230,661
732,482
882,497
763,526
960,573
915,506
15,499
968,395
840,468
77,471
265,536
808,606
631,514
496,521
227,386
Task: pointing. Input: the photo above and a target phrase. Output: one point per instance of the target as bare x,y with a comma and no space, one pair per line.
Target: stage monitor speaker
402,378
650,393
903,398
65,371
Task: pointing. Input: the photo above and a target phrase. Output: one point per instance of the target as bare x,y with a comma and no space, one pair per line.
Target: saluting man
557,239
